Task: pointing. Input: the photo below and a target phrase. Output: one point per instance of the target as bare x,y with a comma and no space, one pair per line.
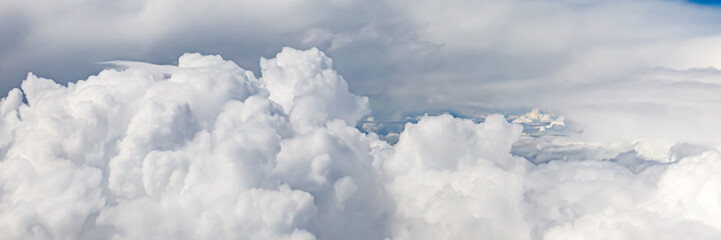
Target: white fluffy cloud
194,151
205,150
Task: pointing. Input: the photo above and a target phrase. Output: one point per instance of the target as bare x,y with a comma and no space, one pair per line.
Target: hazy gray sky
407,56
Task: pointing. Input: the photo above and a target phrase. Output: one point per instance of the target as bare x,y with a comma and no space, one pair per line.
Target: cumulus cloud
206,150
194,151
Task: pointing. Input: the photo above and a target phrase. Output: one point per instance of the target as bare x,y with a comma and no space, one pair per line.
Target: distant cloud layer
206,150
407,56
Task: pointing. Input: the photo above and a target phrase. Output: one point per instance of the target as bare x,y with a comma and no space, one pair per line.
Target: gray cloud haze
408,55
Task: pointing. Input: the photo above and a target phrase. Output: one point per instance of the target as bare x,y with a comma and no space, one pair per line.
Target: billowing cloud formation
205,150
197,151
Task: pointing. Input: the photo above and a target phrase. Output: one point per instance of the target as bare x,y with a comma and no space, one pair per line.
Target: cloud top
206,150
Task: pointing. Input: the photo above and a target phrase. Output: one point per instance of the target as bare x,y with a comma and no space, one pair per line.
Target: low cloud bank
205,150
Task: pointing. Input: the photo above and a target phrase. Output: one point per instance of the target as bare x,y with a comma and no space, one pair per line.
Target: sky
706,2
343,119
396,52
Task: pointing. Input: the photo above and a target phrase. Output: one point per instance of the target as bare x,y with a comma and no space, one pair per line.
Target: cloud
454,179
197,150
301,82
207,150
406,56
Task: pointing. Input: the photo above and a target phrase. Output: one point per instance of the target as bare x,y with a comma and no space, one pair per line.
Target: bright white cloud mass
386,119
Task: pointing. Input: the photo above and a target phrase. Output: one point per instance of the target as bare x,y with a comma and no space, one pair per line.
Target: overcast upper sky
407,56
636,60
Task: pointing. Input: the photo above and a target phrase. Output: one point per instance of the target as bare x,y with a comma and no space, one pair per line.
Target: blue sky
706,2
